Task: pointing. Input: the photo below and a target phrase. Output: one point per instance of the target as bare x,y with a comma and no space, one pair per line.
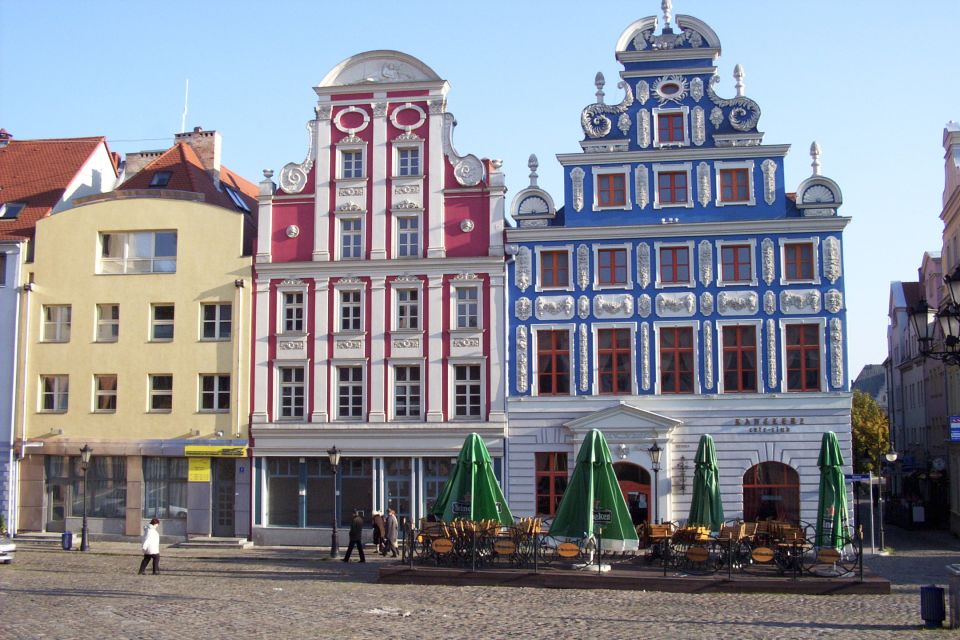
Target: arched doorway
634,482
771,490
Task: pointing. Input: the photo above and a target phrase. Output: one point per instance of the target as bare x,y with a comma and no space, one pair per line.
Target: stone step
42,539
209,542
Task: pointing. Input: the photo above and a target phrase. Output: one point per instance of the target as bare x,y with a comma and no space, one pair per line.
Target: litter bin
932,608
67,540
954,571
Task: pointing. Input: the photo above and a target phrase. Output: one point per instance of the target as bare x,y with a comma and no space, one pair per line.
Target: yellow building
137,344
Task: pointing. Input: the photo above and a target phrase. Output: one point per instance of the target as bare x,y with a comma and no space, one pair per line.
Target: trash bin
67,540
954,571
932,608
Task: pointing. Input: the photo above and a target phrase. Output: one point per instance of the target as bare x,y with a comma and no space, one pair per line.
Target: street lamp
85,453
891,457
334,454
947,317
655,452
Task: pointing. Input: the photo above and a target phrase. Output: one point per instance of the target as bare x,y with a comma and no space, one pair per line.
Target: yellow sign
442,545
828,556
504,547
198,470
697,554
568,550
214,451
762,554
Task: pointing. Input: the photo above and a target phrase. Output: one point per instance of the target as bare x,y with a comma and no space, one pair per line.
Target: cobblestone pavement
291,593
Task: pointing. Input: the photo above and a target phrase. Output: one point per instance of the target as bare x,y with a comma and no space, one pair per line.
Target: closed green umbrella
593,500
472,492
832,519
706,508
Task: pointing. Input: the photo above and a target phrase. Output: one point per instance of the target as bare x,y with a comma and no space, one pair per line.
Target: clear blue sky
872,82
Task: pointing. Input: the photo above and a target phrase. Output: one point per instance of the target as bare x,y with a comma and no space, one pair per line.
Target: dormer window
612,190
10,210
671,128
237,200
160,178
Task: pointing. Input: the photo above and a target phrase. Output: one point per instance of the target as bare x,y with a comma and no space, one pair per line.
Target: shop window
551,481
771,491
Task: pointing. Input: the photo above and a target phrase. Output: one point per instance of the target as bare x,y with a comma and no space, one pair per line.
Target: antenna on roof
183,116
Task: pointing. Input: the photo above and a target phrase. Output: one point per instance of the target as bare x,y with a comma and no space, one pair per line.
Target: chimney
206,144
5,138
137,160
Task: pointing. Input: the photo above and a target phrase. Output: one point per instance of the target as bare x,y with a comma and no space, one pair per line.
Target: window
670,127
215,392
554,271
238,200
162,326
54,393
10,210
408,309
160,178
612,266
734,185
553,362
350,318
283,491
350,393
672,187
105,393
161,392
56,323
351,239
798,261
406,392
740,359
551,481
3,269
674,265
292,312
351,164
467,403
611,190
467,307
436,472
107,493
108,322
398,484
138,252
614,370
408,162
291,392
771,490
217,321
736,263
803,357
408,236
164,487
676,360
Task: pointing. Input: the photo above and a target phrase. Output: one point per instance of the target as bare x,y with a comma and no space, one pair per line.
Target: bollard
932,608
954,571
66,540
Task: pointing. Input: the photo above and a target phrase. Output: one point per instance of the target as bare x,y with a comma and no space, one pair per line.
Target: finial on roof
533,163
815,154
667,7
268,173
738,76
599,81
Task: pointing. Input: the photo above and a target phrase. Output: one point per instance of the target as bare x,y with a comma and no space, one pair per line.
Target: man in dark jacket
356,537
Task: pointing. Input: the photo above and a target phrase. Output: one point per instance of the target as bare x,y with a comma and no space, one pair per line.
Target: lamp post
655,452
334,454
891,457
947,318
85,453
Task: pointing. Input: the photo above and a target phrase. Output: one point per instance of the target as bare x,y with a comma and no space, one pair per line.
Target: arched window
634,482
771,490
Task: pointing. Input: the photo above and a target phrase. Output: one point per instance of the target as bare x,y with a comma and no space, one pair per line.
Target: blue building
680,290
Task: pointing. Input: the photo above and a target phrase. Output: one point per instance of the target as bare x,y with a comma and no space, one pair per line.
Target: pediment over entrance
624,423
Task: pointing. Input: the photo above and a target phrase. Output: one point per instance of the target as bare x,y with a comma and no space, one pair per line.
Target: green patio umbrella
593,500
472,492
706,507
832,519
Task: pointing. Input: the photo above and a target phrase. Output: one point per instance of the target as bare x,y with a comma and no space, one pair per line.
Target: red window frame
740,359
734,185
672,187
670,127
673,262
798,261
612,266
554,269
551,481
803,357
553,362
736,263
611,190
675,343
614,370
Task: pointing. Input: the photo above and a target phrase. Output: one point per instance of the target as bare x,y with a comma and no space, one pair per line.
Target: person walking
151,547
378,532
391,537
356,537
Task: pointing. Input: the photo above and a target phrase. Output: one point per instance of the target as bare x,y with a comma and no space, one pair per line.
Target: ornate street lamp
655,452
947,317
85,453
334,454
891,457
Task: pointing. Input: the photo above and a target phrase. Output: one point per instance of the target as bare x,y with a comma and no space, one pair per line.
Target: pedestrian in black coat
356,537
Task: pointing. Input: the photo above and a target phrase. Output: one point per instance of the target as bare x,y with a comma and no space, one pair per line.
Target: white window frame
407,146
692,282
681,167
571,266
216,393
396,291
154,393
407,215
718,356
104,393
783,242
217,321
596,266
455,288
60,394
154,323
697,356
407,363
157,263
339,306
282,292
721,165
535,359
340,234
595,329
626,171
824,363
303,365
656,112
349,364
342,150
452,392
57,327
752,282
106,323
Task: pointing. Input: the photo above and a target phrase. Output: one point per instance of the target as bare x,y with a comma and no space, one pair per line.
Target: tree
871,433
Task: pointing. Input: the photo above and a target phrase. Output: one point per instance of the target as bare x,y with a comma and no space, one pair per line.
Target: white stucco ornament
466,225
293,231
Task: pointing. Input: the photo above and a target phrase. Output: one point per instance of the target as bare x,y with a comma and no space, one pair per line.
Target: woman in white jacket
151,546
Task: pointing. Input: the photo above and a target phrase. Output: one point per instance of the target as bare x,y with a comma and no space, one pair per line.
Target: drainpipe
20,385
237,336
